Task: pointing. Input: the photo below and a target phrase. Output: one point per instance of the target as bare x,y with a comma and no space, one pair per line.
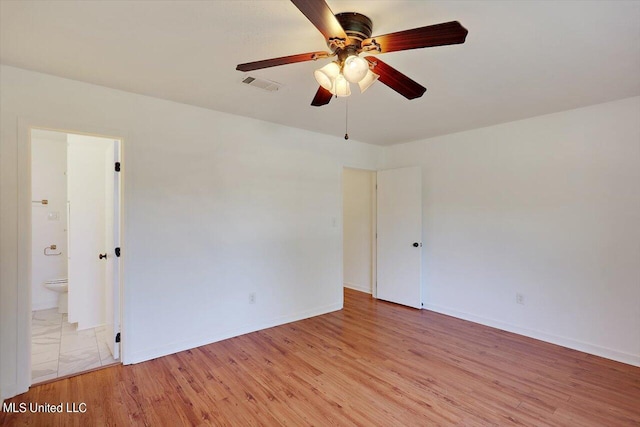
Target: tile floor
58,349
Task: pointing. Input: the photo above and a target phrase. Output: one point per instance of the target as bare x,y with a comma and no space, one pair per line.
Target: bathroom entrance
75,239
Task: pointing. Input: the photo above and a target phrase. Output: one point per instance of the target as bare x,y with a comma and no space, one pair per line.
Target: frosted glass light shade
355,68
341,86
327,74
368,80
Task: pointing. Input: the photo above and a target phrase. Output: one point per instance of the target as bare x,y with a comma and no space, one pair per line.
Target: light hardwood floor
371,364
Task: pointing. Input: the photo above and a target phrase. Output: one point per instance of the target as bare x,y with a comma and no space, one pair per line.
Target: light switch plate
53,216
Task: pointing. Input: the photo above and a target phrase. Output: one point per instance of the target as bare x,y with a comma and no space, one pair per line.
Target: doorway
75,270
359,229
382,233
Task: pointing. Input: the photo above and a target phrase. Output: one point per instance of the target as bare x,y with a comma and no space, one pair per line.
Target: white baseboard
596,350
178,346
43,305
365,289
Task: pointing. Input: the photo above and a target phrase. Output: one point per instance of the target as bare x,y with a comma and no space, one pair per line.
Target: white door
86,195
400,236
112,236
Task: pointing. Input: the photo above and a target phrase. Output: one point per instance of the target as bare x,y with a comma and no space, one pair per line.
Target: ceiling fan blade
321,16
283,60
322,97
432,35
395,79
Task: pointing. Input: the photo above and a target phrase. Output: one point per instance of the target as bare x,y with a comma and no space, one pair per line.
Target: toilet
61,286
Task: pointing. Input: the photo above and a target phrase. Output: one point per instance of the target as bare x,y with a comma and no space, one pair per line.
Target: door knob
416,244
103,256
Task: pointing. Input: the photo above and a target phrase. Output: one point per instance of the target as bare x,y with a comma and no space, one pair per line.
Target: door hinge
118,252
118,337
117,166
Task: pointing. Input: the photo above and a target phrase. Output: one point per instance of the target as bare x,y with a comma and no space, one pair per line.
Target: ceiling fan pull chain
346,119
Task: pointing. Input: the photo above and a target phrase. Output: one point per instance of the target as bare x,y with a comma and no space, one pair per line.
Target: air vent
263,84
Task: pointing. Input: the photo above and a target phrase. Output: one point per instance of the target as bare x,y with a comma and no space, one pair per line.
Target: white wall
216,207
358,214
48,166
548,207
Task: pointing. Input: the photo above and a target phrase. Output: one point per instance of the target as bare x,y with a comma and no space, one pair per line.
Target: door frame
374,225
23,309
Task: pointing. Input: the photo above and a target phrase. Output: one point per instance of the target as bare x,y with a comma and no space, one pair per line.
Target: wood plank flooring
373,363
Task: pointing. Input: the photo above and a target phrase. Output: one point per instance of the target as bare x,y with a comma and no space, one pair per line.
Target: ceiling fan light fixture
326,75
368,80
349,34
341,86
355,68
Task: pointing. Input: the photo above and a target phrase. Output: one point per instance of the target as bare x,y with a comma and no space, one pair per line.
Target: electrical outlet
252,298
520,299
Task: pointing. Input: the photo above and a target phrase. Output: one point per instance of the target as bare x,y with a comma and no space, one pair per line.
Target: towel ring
51,248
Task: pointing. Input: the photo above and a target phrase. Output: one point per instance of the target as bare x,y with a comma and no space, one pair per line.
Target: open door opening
359,228
76,218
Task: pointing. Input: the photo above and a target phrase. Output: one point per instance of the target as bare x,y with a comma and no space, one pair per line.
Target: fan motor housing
357,26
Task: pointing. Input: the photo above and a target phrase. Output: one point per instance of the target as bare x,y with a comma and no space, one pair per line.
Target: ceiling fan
348,35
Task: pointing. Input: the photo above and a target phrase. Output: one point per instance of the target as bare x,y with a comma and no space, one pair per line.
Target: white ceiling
521,58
